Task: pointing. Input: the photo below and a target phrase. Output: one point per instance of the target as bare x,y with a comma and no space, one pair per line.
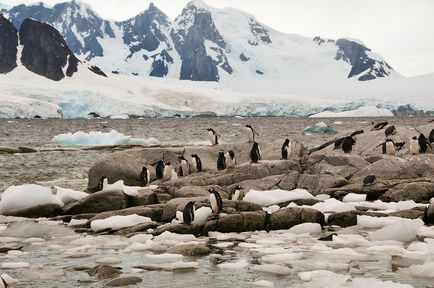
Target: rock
373,192
179,229
289,181
266,183
102,201
226,224
136,228
104,271
178,204
45,210
344,165
124,281
152,211
317,183
343,219
417,191
146,197
193,250
8,46
285,218
190,191
240,206
417,212
429,219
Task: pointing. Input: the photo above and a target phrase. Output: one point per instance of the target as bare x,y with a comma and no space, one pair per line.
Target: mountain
204,44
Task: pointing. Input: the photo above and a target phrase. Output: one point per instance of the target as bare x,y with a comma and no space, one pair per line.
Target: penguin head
286,142
255,144
248,126
238,187
414,138
222,154
421,136
144,169
211,130
182,158
167,164
389,140
231,154
193,155
213,191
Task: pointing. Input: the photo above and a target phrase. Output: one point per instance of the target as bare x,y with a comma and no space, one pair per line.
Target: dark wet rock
192,250
45,210
230,206
343,219
124,281
190,191
289,181
152,211
317,183
104,272
418,191
415,213
45,52
136,228
102,201
286,218
429,219
373,192
180,229
145,197
8,46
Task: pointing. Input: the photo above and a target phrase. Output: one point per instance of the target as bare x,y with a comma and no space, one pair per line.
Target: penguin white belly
194,163
213,202
167,173
230,163
249,135
174,175
390,148
148,177
211,138
185,168
414,147
236,195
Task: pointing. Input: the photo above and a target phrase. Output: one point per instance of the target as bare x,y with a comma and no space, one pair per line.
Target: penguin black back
188,213
370,179
101,183
390,131
423,143
255,154
399,145
159,169
221,161
384,145
380,126
284,151
347,144
338,144
198,162
144,177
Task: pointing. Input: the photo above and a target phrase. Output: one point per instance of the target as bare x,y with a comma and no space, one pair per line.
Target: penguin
286,149
368,180
216,201
235,194
380,126
389,147
431,136
167,172
185,167
358,132
255,153
328,237
197,163
188,213
338,144
145,177
221,161
250,134
101,183
212,136
423,143
230,159
347,144
399,145
159,169
390,131
414,146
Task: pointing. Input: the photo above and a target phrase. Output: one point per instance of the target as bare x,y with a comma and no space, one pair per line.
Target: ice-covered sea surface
370,254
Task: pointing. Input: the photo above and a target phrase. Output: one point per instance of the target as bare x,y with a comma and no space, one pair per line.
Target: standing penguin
221,161
347,144
188,213
145,177
235,194
390,131
414,146
159,169
388,147
216,201
423,143
212,136
167,172
230,159
431,136
286,149
197,163
255,153
251,134
185,167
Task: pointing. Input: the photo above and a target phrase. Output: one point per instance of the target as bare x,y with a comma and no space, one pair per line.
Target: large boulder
190,191
417,191
316,184
8,46
344,165
241,222
102,201
145,197
286,218
44,210
343,219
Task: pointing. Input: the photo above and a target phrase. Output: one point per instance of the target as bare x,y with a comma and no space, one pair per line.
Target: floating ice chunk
353,197
229,267
141,238
14,265
284,258
98,138
351,240
182,265
271,197
404,231
273,269
139,247
333,205
166,235
118,222
164,256
108,260
311,228
364,221
426,232
75,222
376,283
30,229
425,270
68,195
322,197
268,241
263,283
325,279
319,127
26,196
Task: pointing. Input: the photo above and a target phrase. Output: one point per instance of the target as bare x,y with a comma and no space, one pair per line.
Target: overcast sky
402,31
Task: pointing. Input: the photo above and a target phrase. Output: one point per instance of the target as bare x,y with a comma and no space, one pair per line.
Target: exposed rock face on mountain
45,52
203,44
8,45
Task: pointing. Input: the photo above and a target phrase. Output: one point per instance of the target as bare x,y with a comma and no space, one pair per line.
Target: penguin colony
227,160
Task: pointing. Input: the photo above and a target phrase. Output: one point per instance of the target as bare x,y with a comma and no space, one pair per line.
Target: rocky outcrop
108,200
419,192
46,210
8,45
288,217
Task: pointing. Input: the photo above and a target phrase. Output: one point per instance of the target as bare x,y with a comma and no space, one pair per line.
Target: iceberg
366,111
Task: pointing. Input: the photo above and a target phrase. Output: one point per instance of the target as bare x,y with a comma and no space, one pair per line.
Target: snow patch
118,222
271,197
